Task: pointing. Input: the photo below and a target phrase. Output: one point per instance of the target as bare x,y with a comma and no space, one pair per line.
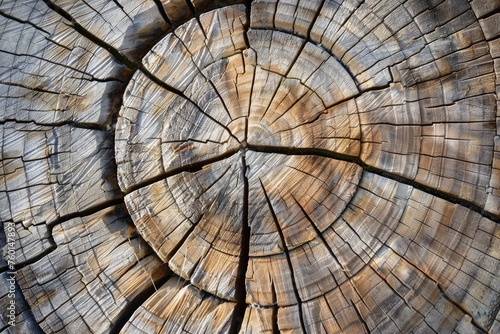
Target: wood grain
174,166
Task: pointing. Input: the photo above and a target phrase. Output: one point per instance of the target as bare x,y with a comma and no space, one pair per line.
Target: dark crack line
77,214
274,315
88,211
313,22
363,321
184,238
332,254
49,125
320,235
58,44
87,34
173,90
359,255
209,81
246,27
126,313
381,306
13,18
287,254
441,290
119,5
362,240
332,311
31,323
45,252
240,284
215,182
194,140
101,278
285,75
345,20
38,89
356,160
297,101
332,55
85,75
190,168
305,123
248,13
196,15
162,11
452,53
132,65
95,10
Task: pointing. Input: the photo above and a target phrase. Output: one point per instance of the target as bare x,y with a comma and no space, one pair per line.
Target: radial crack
274,319
396,177
126,313
134,66
363,321
10,17
226,109
88,211
287,254
162,11
320,235
240,284
193,167
461,308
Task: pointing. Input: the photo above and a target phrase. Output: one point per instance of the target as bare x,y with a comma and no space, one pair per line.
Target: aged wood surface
194,166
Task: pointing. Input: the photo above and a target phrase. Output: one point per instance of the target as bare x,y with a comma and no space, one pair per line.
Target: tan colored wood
179,307
99,255
258,320
162,149
391,135
300,190
267,166
446,246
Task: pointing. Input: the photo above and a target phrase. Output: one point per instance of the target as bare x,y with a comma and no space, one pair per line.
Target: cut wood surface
177,166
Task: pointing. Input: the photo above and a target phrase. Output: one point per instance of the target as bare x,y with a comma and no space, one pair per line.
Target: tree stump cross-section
265,166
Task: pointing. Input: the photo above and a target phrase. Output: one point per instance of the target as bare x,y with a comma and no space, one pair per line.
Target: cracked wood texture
295,166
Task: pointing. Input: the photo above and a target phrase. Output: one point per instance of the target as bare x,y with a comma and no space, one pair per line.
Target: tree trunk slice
176,166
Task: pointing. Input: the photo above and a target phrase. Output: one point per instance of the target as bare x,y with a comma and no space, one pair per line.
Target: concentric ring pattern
268,166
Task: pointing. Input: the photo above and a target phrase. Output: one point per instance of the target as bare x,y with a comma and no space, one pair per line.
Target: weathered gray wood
98,268
179,307
177,166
